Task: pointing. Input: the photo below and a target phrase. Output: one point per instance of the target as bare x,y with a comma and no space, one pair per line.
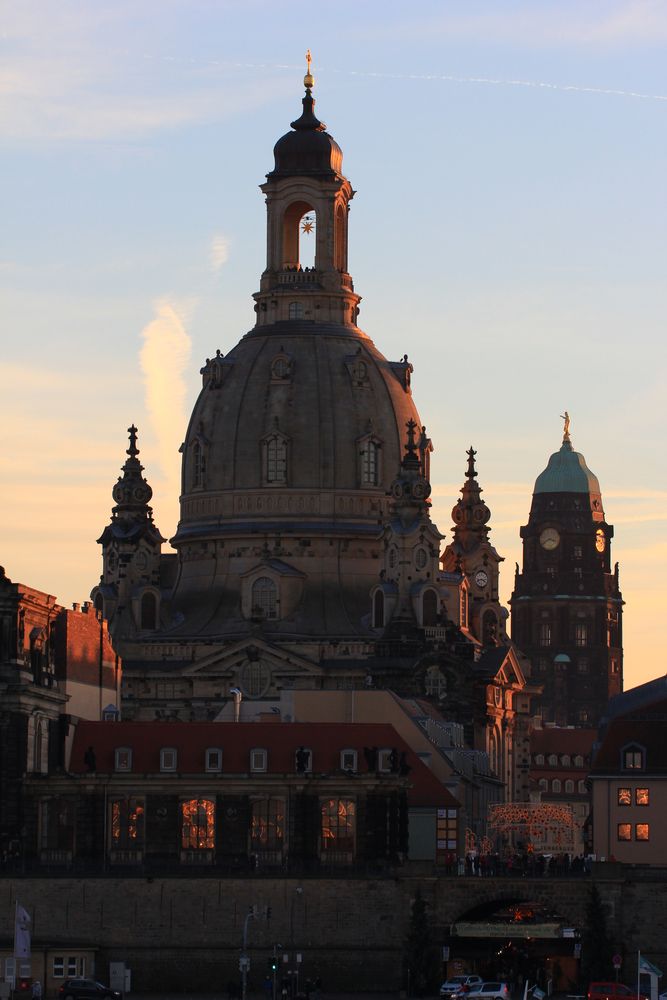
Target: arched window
464,607
340,239
435,682
430,608
276,459
378,609
295,310
370,463
197,466
555,785
148,611
544,785
198,824
40,758
569,786
264,598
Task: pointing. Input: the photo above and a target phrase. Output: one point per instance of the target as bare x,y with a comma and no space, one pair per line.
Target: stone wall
186,933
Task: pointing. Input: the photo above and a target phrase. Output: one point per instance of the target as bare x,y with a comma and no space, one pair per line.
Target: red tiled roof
648,734
237,739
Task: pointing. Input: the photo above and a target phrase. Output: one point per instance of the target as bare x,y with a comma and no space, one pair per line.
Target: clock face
549,539
600,540
481,578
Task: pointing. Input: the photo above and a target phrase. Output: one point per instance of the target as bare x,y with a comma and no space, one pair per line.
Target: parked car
456,985
86,989
492,990
611,991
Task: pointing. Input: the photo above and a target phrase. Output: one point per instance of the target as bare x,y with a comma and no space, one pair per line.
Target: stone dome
567,472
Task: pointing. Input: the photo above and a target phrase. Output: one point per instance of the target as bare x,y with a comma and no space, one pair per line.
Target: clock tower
567,605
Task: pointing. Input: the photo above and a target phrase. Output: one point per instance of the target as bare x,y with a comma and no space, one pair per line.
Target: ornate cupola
409,595
567,605
307,183
472,554
131,546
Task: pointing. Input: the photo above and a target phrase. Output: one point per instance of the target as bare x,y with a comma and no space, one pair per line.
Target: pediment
227,660
510,673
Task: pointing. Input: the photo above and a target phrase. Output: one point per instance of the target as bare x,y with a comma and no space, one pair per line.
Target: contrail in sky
536,84
443,77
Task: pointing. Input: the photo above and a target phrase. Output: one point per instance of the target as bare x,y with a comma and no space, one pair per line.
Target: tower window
295,310
378,609
544,635
148,611
264,598
430,608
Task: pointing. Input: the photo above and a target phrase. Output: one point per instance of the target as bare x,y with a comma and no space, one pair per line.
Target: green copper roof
567,472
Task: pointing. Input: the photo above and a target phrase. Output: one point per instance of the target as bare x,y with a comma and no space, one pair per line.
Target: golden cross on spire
308,80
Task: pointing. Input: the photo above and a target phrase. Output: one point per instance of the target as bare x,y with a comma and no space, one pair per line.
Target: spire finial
309,79
472,472
566,428
132,451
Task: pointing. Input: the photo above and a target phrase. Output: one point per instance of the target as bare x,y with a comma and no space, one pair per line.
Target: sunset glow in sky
508,234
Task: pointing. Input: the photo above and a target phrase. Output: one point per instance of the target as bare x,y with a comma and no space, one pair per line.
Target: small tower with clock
472,554
567,605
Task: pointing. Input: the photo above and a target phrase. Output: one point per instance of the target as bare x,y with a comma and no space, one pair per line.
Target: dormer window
264,598
214,759
303,760
633,758
370,463
168,759
123,759
258,759
348,760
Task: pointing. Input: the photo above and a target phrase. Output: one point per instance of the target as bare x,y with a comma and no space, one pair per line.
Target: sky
508,233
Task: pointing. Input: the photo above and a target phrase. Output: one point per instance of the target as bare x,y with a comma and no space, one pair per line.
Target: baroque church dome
298,431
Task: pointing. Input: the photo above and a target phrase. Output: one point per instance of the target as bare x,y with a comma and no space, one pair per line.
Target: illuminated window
624,797
214,759
267,825
123,759
258,758
168,759
580,635
633,759
348,760
641,796
641,831
295,310
127,823
264,598
624,831
446,830
197,825
337,827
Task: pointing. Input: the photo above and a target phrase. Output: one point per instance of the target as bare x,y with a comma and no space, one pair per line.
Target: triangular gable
510,673
225,660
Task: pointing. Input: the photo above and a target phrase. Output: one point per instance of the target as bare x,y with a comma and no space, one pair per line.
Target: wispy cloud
164,358
219,252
